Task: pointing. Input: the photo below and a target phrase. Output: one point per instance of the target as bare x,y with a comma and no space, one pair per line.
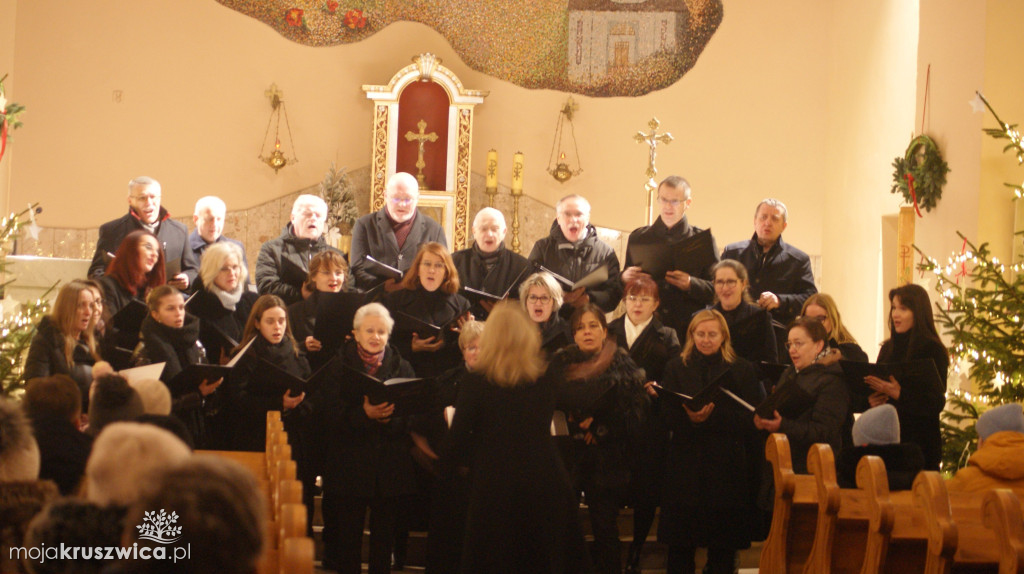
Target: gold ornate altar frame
450,207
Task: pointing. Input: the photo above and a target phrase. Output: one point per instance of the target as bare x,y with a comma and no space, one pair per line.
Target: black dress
302,318
555,334
217,321
919,408
493,273
46,357
367,463
713,467
523,515
434,307
751,332
118,342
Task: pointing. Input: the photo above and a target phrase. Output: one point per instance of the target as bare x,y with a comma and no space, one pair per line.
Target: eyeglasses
543,299
639,299
672,202
401,200
230,269
796,344
428,265
726,282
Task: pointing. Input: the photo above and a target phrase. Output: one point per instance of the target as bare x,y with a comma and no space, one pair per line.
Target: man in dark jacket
55,406
487,265
144,212
572,250
208,218
392,235
780,274
682,294
283,264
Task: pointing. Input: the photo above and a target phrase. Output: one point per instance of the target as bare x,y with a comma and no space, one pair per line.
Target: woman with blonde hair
541,296
520,490
429,297
222,301
823,307
65,341
710,484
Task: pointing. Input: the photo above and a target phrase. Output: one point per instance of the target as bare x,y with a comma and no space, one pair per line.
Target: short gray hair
406,180
126,458
211,202
142,181
492,213
577,197
307,199
373,310
213,259
776,204
545,281
677,182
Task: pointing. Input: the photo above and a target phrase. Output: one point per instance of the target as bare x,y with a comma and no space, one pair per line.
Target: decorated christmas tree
18,322
981,310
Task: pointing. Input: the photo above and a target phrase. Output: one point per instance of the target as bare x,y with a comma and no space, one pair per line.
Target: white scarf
228,300
633,331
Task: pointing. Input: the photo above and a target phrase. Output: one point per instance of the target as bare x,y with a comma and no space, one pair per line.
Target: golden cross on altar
422,138
652,139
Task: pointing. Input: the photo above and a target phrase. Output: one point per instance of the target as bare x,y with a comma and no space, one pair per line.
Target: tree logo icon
156,526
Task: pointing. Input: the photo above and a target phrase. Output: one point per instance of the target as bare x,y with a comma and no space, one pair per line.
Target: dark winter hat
878,425
1009,417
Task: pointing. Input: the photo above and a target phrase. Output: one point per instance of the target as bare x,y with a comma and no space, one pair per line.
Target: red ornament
293,17
355,19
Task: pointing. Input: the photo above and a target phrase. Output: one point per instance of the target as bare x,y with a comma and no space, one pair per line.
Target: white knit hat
878,425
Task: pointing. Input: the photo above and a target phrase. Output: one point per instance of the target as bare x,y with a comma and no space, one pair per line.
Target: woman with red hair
137,267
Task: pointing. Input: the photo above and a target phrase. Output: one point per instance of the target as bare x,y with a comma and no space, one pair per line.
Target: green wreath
924,163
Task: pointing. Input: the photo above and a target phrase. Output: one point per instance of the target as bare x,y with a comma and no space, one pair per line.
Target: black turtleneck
177,346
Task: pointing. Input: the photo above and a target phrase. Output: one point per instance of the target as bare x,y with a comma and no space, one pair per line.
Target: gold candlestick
492,177
517,192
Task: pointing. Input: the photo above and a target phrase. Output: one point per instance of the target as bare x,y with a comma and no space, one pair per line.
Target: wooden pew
897,537
1002,514
297,556
841,531
795,511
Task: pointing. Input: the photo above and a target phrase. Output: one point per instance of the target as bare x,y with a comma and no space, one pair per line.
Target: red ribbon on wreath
3,137
913,195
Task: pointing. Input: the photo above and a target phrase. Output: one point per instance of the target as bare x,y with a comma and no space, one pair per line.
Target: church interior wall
802,100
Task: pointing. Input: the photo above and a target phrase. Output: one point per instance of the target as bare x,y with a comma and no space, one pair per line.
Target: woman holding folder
368,465
912,336
427,311
714,455
222,301
327,273
171,336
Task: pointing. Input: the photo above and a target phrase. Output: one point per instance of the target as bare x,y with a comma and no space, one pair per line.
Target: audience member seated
429,294
208,218
156,397
65,342
393,235
999,460
488,265
137,268
780,274
22,495
283,263
750,326
171,424
145,213
541,296
682,294
127,459
171,336
77,524
877,432
112,400
55,406
221,512
573,250
327,274
811,393
222,301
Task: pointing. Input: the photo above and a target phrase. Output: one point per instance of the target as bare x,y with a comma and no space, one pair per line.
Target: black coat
751,332
302,320
215,321
822,420
254,391
784,270
63,452
555,334
363,457
437,308
173,236
523,515
116,344
372,235
510,269
46,357
677,306
574,261
712,467
199,246
902,463
283,264
652,350
919,407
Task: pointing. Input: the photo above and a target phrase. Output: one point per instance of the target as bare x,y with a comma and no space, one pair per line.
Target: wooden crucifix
422,138
652,139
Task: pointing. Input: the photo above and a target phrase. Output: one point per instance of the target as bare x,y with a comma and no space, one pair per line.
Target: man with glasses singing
682,294
573,250
780,274
392,235
144,212
283,264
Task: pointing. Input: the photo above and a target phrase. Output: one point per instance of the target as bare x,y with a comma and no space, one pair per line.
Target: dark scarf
401,230
181,338
488,259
